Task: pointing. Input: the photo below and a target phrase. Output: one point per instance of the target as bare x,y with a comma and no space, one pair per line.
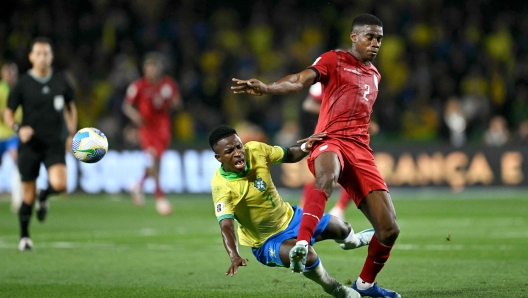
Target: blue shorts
7,145
268,252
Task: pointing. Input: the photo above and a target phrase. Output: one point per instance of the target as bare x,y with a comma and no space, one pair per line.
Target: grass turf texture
103,246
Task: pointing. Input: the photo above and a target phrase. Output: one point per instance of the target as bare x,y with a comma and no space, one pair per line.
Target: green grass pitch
470,244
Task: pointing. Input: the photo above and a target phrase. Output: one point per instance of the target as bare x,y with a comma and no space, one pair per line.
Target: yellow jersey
251,198
5,131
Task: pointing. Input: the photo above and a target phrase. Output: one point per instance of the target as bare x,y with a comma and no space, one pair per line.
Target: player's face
41,56
230,152
366,41
152,70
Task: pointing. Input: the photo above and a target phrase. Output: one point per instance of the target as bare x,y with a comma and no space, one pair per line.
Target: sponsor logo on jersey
272,252
323,147
352,71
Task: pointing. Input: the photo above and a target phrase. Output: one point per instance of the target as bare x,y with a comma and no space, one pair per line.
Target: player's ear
217,157
353,36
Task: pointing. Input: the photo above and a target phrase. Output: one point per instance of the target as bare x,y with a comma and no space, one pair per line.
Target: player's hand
69,140
235,263
138,120
311,140
25,133
253,87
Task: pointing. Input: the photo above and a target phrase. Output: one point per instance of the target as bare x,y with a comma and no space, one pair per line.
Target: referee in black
46,98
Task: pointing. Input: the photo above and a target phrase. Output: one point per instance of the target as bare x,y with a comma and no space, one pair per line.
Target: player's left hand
311,140
253,87
235,263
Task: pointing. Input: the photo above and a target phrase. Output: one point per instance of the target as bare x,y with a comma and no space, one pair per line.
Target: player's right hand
253,87
25,133
138,121
235,263
311,140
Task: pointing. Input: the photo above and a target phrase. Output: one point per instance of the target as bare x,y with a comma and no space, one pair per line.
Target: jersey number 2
367,92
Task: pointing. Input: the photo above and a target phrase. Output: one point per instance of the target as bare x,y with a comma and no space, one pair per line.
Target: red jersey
153,101
350,89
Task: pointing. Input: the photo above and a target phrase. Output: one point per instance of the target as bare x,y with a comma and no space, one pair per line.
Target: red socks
313,211
159,193
378,254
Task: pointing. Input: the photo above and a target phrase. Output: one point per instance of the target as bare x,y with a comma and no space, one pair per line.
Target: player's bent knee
326,182
389,235
58,186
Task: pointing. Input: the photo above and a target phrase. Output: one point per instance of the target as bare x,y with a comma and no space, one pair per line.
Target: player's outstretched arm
227,226
298,152
288,84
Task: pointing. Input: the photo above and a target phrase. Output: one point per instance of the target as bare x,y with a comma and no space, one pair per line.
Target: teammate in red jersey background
350,89
149,102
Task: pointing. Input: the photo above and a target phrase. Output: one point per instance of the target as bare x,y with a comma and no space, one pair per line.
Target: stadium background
454,73
448,69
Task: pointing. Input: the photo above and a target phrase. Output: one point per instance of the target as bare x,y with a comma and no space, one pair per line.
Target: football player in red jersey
350,89
311,106
148,104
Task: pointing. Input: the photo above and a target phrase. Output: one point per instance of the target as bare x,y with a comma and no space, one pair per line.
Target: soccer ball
89,145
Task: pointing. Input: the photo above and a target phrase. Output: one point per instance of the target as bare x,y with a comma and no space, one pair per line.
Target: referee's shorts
34,152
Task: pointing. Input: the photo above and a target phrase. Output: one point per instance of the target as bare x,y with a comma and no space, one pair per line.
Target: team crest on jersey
45,90
260,184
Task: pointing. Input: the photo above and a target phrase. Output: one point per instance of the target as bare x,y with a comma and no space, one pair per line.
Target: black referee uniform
43,101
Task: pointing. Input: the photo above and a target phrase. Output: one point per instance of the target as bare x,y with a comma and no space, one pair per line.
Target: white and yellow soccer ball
89,145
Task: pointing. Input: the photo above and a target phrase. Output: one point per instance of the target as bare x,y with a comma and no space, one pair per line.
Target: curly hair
221,132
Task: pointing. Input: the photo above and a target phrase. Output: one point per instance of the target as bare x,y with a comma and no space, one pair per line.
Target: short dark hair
153,57
40,39
221,132
366,19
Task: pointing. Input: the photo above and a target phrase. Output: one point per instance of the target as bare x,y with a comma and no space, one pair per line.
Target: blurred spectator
432,51
522,134
455,120
497,133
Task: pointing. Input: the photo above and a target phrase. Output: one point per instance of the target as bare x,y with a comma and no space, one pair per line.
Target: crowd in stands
453,71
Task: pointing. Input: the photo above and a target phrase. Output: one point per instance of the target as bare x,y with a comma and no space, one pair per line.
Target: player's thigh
327,167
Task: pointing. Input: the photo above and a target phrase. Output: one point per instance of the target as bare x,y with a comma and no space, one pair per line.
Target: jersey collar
234,176
42,80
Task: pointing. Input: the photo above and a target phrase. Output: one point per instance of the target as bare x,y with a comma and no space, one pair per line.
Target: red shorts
154,141
359,173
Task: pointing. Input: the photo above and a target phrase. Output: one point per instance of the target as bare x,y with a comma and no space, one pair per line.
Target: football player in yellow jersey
8,138
243,190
